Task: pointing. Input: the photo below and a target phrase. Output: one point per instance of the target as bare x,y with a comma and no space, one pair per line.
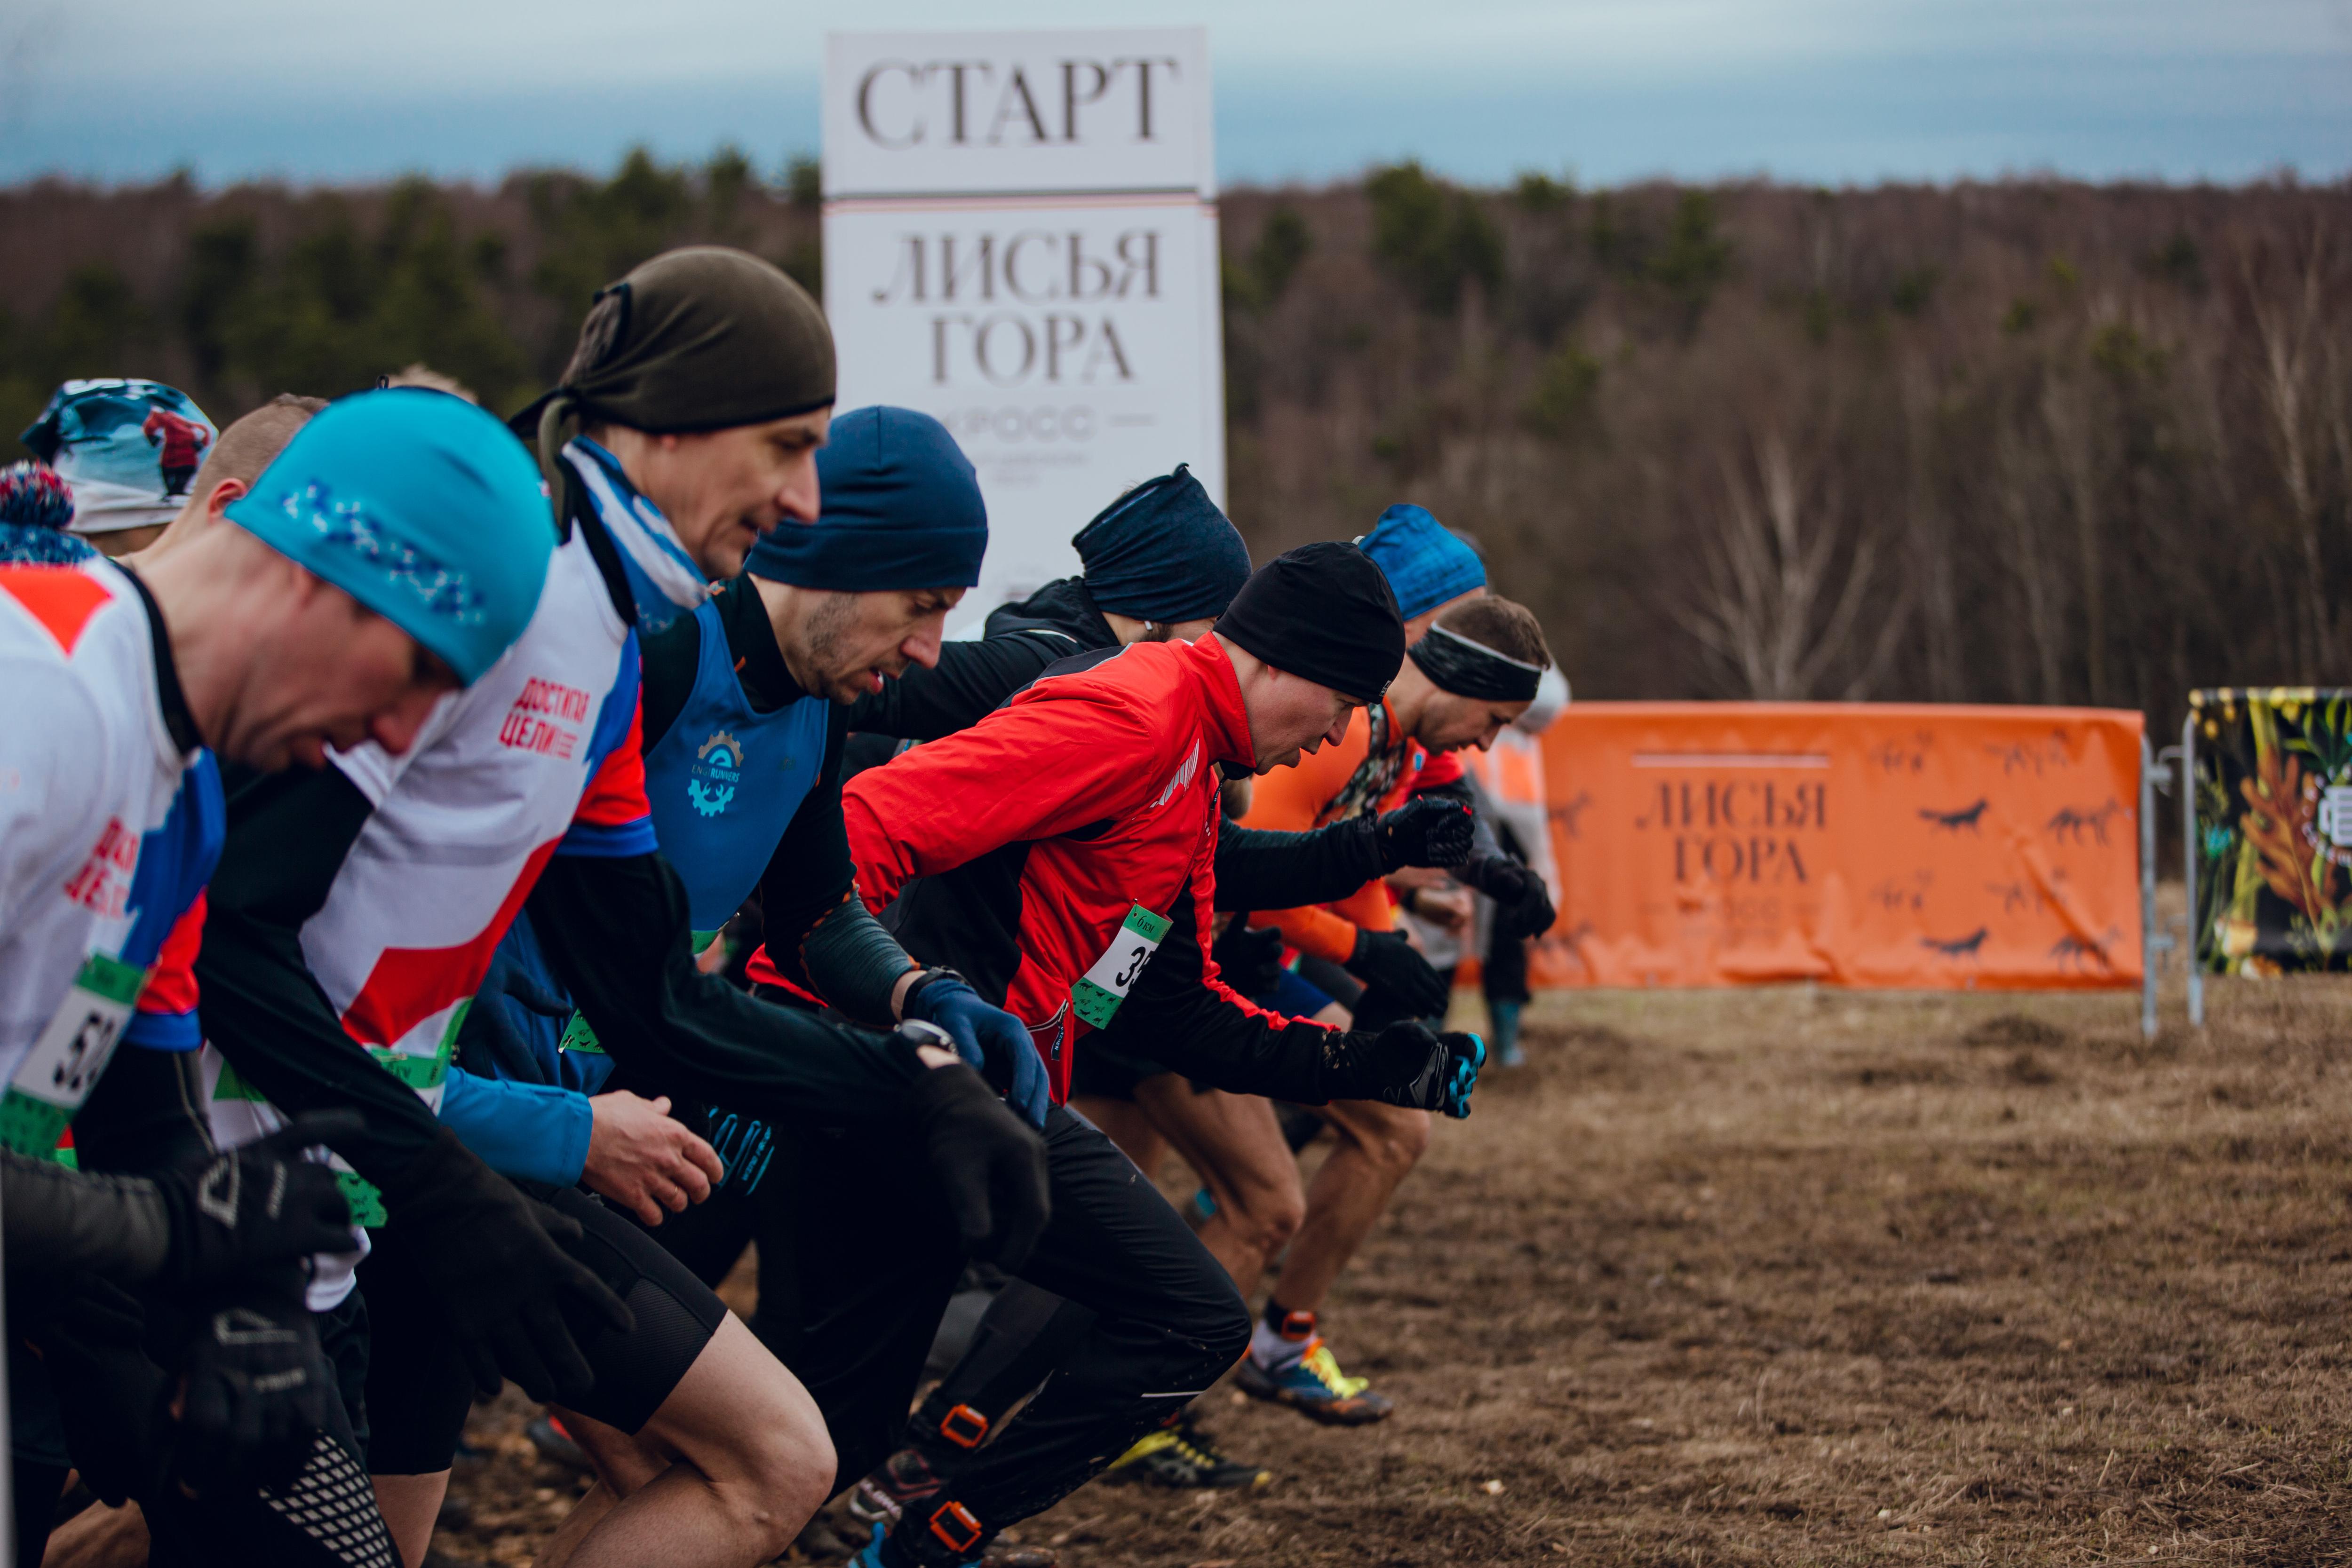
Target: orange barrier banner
1855,844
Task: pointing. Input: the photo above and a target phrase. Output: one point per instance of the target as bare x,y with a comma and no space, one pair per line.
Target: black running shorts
418,1388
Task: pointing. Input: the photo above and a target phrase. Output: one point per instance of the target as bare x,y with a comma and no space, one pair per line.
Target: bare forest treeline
2030,442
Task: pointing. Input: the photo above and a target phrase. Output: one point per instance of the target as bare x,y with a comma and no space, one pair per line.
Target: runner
1461,683
1057,896
700,389
745,704
272,639
1162,561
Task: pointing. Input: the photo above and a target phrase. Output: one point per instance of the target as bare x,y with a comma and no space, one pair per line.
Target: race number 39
57,1073
1098,994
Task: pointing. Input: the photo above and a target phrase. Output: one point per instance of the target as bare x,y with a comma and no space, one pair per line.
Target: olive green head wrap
699,339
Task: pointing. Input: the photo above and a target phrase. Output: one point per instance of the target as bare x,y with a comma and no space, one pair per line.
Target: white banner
1036,268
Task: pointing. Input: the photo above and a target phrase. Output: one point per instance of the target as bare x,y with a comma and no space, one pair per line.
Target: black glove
990,1166
259,1204
256,1387
1429,829
1249,958
1414,1066
1385,959
512,1292
1522,903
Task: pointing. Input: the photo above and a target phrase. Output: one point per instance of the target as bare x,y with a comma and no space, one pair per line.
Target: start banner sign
1021,240
1867,845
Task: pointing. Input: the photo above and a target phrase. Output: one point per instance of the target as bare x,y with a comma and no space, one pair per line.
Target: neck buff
1470,669
662,578
1385,752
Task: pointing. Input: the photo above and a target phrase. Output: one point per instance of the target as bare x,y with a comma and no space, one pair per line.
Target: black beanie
699,339
1325,613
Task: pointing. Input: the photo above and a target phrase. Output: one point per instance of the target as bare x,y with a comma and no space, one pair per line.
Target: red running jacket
1018,851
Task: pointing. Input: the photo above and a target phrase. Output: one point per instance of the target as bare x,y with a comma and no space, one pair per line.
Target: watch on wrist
924,978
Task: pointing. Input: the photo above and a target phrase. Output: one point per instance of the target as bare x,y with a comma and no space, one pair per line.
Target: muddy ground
1809,1277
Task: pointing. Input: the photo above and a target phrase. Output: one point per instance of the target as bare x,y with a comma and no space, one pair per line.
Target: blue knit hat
900,508
421,506
1163,552
1426,562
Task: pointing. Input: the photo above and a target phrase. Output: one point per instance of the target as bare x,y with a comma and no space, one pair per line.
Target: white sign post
1021,240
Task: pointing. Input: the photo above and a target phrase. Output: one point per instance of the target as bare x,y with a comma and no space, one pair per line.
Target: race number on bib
57,1073
1098,994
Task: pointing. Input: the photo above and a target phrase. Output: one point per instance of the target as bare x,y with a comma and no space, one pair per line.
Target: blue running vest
725,781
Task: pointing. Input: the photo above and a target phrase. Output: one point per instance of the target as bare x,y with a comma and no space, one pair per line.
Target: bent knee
1396,1139
762,1446
783,1475
1268,1220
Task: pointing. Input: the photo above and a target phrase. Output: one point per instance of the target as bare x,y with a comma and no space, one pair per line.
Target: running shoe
1313,1385
904,1477
1182,1457
548,1436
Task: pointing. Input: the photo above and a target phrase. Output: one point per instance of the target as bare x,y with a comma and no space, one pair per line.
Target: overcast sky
1827,90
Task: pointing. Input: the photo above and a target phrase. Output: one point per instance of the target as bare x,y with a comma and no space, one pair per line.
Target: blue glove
991,1041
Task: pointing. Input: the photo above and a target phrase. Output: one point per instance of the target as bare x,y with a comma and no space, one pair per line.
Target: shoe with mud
904,1477
1180,1457
1314,1385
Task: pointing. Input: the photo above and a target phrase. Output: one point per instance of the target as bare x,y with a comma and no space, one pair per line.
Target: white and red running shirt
541,753
110,826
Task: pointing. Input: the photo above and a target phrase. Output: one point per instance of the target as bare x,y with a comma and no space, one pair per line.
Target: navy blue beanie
899,508
1163,552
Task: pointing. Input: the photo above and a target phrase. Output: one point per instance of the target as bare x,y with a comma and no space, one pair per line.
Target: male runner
282,631
1056,895
361,910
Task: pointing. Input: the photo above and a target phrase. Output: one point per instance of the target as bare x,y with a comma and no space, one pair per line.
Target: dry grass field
1811,1276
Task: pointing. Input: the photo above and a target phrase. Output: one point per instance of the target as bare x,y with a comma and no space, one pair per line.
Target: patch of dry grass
1812,1277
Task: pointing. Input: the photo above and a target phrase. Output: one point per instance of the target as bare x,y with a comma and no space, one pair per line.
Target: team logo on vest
717,768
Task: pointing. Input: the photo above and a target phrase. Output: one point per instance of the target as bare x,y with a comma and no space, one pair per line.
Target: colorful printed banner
2274,793
1866,845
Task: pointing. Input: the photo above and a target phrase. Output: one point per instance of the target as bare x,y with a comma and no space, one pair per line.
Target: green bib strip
64,1063
1095,995
419,1072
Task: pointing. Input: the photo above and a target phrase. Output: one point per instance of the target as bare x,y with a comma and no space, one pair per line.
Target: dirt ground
1809,1277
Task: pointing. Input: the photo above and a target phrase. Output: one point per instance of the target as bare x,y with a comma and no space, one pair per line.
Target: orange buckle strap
1298,1326
952,1517
964,1427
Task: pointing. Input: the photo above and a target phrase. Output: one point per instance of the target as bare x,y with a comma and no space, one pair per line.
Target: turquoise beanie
421,506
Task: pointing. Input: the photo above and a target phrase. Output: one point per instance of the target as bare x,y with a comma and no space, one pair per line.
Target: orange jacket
1302,796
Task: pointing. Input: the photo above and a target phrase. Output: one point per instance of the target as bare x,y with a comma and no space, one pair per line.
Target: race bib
57,1073
1098,992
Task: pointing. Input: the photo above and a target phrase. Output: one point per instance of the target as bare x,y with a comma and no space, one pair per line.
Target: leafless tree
1785,592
